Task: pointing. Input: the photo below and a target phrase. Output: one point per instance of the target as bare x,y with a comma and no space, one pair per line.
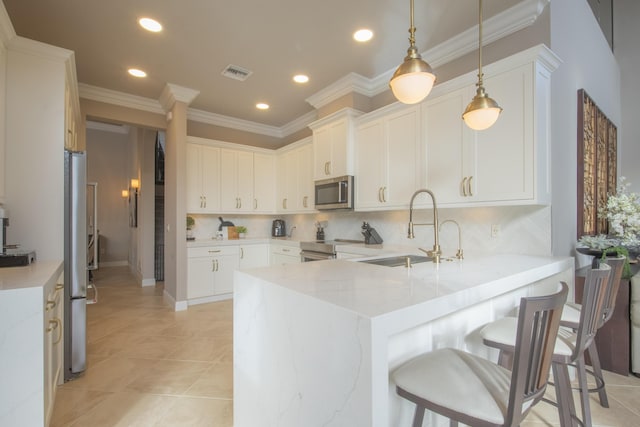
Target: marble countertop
377,291
33,275
252,241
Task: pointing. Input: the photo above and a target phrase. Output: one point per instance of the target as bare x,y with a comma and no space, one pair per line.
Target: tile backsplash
516,229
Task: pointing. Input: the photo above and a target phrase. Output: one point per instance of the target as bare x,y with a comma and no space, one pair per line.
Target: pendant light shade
414,78
482,112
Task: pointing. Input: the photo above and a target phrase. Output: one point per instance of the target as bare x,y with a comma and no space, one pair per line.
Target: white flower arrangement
623,213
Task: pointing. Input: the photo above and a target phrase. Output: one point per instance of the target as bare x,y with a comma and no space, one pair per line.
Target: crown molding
174,93
108,127
233,123
7,32
352,82
43,50
108,96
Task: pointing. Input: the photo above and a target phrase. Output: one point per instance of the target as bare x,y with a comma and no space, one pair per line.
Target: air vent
236,73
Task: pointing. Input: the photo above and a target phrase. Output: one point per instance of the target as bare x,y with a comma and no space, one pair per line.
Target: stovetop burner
13,257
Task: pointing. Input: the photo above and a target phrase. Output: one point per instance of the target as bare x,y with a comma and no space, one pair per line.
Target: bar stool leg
564,399
418,416
597,373
584,392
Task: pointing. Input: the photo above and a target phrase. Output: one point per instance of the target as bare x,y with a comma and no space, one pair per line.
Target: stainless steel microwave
334,193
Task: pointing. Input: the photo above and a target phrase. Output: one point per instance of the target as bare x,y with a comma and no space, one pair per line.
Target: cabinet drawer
285,250
208,251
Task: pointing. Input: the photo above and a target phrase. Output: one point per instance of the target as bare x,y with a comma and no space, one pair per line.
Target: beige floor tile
198,412
168,377
216,382
73,403
128,409
112,374
216,349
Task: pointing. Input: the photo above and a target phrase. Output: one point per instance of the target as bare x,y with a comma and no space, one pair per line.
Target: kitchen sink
397,261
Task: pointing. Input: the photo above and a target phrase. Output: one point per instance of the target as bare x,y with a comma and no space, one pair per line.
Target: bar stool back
472,390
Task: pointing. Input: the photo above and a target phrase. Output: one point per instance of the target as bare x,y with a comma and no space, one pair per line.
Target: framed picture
597,165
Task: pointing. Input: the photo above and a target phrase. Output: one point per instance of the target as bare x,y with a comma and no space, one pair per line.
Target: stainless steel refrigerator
75,264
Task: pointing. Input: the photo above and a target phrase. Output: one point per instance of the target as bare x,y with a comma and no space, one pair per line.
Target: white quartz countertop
33,275
377,291
285,241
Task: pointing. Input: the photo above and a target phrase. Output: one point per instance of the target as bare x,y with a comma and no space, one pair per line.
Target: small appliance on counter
278,228
320,226
14,257
371,236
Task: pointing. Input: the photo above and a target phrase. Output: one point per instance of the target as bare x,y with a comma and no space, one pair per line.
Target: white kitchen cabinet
247,181
284,254
203,179
388,154
252,256
236,171
333,144
210,270
264,183
31,348
295,179
506,164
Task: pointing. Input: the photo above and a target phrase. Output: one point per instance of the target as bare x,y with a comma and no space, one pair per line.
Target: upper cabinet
333,144
203,179
295,179
388,158
264,183
506,164
249,181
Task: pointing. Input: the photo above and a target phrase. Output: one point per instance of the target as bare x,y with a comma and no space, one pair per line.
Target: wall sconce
135,184
125,194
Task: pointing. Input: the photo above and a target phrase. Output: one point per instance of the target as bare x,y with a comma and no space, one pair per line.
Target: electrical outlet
495,230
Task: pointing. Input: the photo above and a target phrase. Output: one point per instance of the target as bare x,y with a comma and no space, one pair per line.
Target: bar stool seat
475,391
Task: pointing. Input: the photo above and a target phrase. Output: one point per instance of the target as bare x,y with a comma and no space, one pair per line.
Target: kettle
278,228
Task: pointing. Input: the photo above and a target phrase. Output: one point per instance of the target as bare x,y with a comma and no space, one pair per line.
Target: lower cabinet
210,270
252,256
53,347
282,254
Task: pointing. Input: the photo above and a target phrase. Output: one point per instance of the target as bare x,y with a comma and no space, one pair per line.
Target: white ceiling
274,39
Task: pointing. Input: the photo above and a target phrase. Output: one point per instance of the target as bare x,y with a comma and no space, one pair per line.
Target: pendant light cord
412,28
480,74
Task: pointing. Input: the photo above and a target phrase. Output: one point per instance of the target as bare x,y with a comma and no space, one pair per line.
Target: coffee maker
278,228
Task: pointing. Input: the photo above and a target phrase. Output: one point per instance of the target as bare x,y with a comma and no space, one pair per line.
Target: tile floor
150,366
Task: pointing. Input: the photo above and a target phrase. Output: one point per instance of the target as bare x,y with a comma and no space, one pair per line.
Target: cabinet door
244,179
252,256
195,201
322,152
229,181
304,178
340,155
402,152
224,267
210,172
371,173
264,184
448,156
200,277
504,152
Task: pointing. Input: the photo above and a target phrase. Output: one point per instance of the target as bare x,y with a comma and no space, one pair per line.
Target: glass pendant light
482,112
414,78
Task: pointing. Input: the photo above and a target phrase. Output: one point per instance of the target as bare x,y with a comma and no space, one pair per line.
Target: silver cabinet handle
213,265
384,197
255,204
380,194
469,186
239,202
217,265
241,253
285,250
305,199
464,186
215,251
55,324
205,201
284,204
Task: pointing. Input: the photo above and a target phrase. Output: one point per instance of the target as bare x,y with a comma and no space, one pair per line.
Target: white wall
627,52
587,63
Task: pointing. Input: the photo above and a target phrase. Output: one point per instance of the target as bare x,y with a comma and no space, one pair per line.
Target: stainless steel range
318,250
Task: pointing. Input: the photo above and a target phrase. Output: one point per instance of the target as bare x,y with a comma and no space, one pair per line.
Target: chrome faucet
435,253
459,253
291,231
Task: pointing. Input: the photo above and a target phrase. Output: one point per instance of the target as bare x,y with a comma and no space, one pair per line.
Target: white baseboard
149,282
214,298
177,305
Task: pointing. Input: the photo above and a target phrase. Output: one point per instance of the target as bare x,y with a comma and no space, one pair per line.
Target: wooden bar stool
472,390
571,319
569,347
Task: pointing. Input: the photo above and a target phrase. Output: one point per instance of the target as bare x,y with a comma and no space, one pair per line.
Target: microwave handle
343,191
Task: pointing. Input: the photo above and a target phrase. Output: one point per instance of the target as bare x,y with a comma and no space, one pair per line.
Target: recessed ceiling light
262,106
150,25
300,78
363,35
136,72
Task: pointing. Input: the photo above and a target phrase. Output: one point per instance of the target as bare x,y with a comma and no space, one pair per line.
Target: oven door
306,256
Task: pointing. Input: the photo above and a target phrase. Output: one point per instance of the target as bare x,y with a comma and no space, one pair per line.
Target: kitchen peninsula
314,342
